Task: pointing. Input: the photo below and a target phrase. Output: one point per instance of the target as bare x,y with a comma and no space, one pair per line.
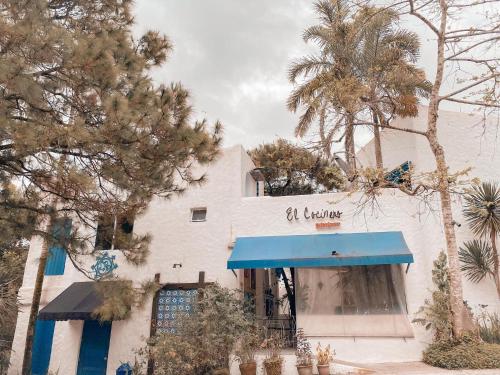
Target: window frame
192,211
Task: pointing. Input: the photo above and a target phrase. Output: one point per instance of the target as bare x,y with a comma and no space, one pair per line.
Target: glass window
198,214
104,236
352,301
114,232
56,259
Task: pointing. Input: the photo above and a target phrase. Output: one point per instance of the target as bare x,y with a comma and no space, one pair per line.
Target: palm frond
308,117
307,65
305,93
330,11
477,260
318,34
482,209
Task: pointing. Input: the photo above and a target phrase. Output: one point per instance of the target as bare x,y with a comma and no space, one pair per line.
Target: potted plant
274,361
303,354
324,357
246,349
221,371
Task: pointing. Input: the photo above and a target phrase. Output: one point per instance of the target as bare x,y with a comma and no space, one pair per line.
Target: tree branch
471,102
414,12
468,87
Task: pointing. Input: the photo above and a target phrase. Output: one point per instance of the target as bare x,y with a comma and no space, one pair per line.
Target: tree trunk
35,304
456,294
350,149
378,145
496,275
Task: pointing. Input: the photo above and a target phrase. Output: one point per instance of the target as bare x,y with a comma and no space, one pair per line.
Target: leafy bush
465,353
435,314
489,327
303,351
172,354
324,356
250,341
204,340
273,345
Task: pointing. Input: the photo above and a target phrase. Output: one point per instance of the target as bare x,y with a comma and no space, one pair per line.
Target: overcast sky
233,57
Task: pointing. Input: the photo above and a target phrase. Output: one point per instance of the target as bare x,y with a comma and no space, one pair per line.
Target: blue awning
320,250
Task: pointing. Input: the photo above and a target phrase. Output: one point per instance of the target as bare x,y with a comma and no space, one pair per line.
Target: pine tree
83,129
293,170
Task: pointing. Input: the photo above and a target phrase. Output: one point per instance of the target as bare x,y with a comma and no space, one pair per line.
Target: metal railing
284,326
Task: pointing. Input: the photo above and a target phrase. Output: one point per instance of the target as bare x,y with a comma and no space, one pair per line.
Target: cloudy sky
233,56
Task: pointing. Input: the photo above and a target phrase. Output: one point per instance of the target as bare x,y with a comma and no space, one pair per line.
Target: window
114,232
198,214
56,259
352,301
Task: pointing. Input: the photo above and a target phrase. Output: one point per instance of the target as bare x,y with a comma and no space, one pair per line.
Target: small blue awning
320,250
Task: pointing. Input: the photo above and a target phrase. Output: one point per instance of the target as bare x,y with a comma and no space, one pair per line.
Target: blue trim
353,249
42,346
397,175
56,260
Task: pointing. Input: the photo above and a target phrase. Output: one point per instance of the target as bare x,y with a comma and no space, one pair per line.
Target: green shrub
489,327
435,314
465,353
203,341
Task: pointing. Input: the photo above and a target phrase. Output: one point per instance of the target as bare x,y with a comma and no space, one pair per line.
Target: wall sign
293,214
328,225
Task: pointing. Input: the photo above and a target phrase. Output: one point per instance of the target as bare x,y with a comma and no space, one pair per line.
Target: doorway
94,347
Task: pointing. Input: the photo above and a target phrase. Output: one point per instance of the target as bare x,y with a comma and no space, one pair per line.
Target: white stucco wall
233,210
198,246
396,211
469,141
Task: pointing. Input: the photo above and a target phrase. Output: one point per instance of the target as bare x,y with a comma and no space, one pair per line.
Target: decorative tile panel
172,303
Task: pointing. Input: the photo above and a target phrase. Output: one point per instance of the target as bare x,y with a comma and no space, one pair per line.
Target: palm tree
365,65
385,65
329,89
482,212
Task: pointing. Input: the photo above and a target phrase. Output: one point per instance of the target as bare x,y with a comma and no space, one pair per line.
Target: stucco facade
234,210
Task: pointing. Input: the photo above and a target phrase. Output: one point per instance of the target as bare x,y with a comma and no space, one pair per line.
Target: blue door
94,347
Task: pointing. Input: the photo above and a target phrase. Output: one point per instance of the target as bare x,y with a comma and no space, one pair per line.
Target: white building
194,236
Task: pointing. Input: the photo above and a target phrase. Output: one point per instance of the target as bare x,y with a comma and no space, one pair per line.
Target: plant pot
273,367
323,369
249,368
221,371
305,369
